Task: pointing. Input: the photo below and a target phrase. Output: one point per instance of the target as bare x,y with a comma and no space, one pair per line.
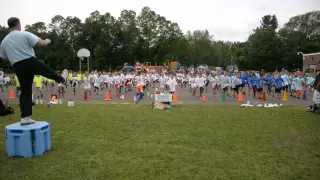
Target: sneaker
27,121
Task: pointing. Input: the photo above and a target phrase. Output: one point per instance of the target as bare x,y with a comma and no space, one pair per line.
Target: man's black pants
25,71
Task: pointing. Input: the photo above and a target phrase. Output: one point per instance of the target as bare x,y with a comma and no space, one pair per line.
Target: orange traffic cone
285,98
11,96
204,98
108,98
264,96
175,97
240,98
85,96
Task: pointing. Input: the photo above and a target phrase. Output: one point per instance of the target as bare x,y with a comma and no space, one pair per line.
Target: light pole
301,53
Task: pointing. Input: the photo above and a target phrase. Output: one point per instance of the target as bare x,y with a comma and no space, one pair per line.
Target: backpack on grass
5,110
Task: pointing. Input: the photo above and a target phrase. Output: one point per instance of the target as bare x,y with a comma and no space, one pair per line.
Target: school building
311,62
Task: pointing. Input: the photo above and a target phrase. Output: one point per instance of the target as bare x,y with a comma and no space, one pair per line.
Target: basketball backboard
83,53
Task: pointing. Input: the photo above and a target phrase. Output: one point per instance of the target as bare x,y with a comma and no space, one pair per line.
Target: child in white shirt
74,83
298,85
200,82
172,84
162,82
193,85
97,83
117,84
86,83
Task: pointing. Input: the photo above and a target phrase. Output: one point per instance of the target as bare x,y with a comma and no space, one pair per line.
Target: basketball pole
88,58
80,65
83,53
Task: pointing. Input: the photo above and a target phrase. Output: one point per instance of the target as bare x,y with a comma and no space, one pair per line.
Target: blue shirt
310,80
285,79
249,80
278,83
254,82
237,81
18,46
260,83
243,78
298,83
269,80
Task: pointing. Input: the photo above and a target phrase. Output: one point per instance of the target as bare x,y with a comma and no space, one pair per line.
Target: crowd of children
231,83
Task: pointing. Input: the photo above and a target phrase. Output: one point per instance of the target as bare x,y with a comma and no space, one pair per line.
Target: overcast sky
231,20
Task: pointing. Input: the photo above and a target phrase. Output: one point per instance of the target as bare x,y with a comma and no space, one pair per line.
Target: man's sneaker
27,121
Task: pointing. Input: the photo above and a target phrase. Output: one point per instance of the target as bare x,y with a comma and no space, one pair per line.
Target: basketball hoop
82,53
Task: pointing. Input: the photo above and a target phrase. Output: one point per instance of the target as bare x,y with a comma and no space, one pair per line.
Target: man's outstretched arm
34,40
42,43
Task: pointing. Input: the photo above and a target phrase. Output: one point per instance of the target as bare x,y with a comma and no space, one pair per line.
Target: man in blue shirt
17,48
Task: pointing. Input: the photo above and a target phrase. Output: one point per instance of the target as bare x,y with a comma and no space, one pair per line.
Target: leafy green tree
150,37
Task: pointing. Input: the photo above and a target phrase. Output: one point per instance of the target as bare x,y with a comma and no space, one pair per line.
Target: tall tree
264,45
153,38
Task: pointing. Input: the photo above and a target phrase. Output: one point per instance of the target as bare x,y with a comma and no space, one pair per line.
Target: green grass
188,142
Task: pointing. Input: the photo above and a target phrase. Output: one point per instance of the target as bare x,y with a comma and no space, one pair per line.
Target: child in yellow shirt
18,89
38,83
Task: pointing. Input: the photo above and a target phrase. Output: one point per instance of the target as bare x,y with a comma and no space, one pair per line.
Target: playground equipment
128,69
148,67
166,65
138,67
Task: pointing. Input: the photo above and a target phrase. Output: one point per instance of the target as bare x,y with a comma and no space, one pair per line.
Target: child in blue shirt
260,86
236,83
249,82
243,78
309,83
278,85
298,83
254,84
269,80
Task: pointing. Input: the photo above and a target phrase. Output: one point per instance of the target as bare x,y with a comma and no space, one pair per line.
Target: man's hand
48,41
43,42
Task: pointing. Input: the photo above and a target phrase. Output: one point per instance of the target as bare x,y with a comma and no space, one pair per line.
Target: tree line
150,37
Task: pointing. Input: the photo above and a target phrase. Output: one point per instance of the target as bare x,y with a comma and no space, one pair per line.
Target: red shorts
117,85
299,92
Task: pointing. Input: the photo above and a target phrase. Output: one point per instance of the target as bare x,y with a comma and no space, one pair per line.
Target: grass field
187,142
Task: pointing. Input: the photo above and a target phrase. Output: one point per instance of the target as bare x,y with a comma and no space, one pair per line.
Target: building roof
312,54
